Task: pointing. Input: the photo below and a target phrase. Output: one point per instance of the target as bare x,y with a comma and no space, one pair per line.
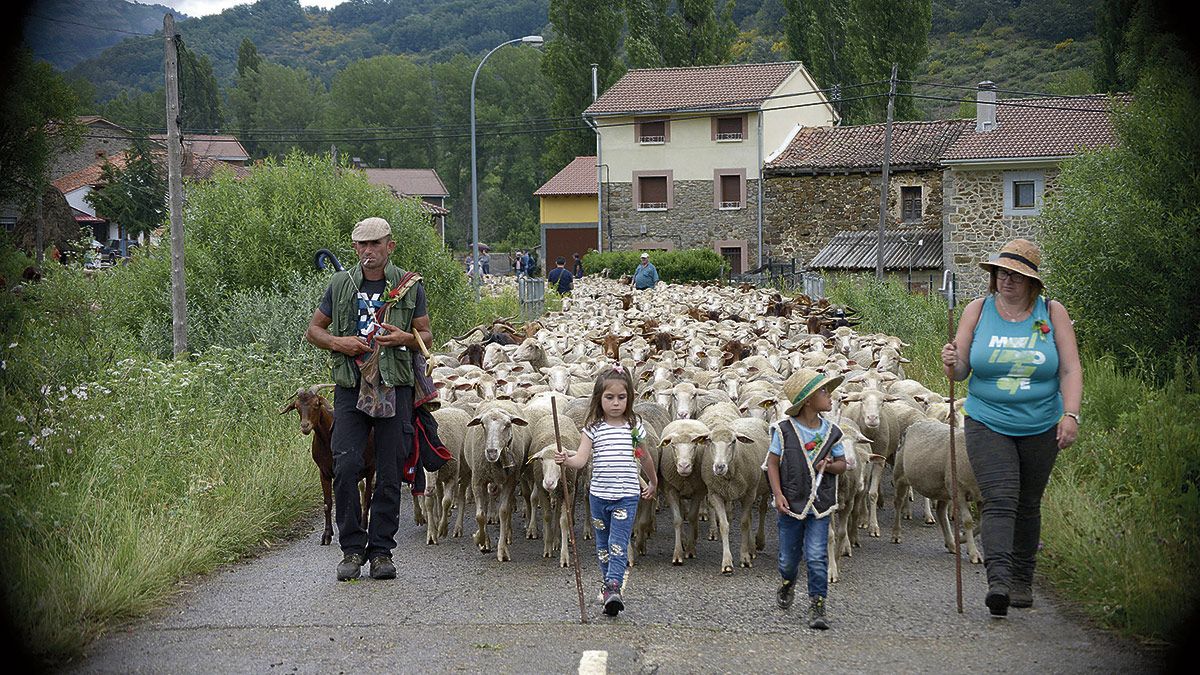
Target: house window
732,128
652,190
910,204
729,189
10,224
1023,191
652,132
733,258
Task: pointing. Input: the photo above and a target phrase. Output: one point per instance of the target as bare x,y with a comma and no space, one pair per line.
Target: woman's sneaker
816,614
612,598
997,600
787,591
1020,596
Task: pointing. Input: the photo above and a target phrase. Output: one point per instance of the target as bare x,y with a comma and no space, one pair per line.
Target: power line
999,91
85,25
1014,104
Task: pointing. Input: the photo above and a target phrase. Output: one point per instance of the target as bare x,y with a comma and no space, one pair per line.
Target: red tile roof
576,178
409,182
1041,127
914,145
219,146
89,175
204,168
731,87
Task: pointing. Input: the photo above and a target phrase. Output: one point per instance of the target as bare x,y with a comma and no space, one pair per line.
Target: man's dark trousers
393,443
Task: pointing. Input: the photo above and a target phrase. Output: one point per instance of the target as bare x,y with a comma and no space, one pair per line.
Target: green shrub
677,267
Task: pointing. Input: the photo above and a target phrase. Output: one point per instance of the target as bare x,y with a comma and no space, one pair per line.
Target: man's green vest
395,363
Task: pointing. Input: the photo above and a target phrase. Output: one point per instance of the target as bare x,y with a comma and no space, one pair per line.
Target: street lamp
476,275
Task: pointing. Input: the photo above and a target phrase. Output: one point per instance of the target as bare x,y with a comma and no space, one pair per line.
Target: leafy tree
817,34
199,96
694,34
248,58
1112,22
886,32
707,33
134,195
38,110
274,97
137,111
653,37
1120,231
387,93
584,33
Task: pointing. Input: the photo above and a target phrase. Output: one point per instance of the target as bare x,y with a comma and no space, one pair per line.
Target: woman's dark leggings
1012,472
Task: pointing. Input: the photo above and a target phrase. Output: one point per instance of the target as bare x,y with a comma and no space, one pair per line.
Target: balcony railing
652,206
731,205
730,136
652,139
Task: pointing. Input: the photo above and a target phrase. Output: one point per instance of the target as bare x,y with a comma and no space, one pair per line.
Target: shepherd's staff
569,504
948,289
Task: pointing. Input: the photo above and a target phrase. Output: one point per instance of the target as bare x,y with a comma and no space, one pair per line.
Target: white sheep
495,449
682,444
731,473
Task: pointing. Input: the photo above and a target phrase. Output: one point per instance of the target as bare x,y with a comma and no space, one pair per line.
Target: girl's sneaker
816,614
612,598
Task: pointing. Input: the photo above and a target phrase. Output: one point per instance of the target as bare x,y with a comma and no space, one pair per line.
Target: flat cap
371,229
645,255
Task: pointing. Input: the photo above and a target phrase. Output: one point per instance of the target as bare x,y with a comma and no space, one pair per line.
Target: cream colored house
681,151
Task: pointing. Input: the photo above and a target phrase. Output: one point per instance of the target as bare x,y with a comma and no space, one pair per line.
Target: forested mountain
67,32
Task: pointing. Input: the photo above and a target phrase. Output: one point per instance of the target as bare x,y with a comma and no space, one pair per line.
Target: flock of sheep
709,362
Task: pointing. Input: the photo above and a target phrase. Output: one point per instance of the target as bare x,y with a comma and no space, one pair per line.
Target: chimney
985,106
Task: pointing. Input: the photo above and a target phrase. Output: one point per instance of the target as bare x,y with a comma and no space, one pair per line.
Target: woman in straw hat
1022,408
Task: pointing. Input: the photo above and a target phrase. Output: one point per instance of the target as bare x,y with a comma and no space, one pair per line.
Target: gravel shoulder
455,609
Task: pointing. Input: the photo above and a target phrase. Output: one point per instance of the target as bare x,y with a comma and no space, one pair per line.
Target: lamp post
476,275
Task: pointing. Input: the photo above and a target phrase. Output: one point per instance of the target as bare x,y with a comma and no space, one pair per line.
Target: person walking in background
559,276
645,276
803,462
577,270
527,263
349,324
1022,408
485,262
614,439
519,263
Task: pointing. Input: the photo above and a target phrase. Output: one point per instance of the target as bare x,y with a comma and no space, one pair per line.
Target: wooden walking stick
569,505
948,289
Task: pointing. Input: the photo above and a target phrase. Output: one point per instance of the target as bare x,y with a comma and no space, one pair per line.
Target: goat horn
464,336
318,387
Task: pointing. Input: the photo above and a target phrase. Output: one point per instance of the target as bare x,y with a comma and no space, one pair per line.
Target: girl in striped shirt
615,437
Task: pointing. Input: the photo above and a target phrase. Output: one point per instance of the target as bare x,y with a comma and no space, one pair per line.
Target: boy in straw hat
805,456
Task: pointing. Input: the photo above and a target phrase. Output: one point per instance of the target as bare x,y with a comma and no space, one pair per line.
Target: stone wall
802,213
98,143
691,222
976,227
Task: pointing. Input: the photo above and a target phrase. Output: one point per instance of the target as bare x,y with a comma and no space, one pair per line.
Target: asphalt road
454,609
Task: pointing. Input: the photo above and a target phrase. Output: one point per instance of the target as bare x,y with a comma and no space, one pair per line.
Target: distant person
645,276
528,263
561,277
1022,408
577,270
469,263
485,262
519,263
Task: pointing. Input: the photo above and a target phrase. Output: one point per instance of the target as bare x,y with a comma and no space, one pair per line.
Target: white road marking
593,662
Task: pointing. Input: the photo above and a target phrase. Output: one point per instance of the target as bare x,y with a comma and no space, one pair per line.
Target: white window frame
1038,178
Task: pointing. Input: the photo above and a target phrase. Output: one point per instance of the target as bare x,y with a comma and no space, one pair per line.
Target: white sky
206,7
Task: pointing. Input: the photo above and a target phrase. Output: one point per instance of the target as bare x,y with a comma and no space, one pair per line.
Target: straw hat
803,384
1019,255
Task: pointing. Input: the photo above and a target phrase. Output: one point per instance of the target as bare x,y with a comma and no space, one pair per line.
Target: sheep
544,475
446,487
923,461
682,443
730,472
316,418
495,449
882,425
843,527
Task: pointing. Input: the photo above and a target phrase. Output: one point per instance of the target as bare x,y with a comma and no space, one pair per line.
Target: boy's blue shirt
806,434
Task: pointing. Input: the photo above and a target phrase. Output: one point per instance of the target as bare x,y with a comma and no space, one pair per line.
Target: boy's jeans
810,537
612,520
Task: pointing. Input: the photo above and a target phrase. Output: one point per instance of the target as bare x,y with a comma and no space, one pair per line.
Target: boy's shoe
997,600
612,598
1020,595
382,567
349,567
786,592
816,614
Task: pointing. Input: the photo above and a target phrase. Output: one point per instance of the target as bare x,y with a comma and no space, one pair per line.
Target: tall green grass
1120,517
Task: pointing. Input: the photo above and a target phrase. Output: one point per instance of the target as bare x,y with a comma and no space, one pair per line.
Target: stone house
101,140
424,184
822,185
568,209
681,149
999,173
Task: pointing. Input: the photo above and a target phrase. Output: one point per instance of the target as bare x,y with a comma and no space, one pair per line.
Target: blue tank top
1014,372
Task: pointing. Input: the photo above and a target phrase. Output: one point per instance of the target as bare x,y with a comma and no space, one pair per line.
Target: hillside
68,32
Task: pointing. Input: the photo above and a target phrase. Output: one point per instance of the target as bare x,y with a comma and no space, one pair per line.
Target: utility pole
175,189
883,185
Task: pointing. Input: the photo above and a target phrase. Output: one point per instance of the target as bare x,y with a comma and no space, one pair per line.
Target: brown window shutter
652,190
731,189
729,127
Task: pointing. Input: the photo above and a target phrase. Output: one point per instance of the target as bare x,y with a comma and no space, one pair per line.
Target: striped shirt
614,468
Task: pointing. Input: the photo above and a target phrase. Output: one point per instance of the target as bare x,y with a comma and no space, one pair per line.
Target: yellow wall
573,209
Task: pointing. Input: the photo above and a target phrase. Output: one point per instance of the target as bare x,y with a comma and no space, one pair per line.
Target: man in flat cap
350,323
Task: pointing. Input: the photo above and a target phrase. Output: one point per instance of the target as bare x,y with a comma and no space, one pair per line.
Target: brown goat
316,418
610,345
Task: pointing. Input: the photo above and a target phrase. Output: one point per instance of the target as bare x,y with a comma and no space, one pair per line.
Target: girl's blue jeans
612,521
809,537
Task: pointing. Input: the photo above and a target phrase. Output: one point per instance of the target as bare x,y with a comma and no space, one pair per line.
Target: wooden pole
175,190
948,287
569,505
885,176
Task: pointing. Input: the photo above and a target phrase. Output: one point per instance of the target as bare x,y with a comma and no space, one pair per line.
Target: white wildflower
12,345
33,441
46,431
54,484
45,390
21,418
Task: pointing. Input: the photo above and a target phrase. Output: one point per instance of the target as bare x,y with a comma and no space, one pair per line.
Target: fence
531,293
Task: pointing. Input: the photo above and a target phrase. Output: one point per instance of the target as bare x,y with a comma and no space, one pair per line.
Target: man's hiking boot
612,598
997,599
816,614
349,567
1020,595
786,592
382,567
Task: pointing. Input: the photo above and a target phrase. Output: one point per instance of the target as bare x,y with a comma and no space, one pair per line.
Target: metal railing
531,293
